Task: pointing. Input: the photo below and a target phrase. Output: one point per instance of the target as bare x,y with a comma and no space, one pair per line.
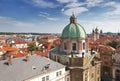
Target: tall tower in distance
95,34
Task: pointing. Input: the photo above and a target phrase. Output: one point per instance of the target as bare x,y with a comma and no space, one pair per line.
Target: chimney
27,54
9,61
27,57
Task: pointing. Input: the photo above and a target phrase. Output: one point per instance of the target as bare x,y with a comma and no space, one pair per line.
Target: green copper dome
74,30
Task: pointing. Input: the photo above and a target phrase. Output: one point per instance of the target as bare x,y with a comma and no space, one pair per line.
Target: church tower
95,34
73,52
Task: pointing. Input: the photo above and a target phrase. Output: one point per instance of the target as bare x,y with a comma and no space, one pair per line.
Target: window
92,75
60,72
57,74
68,79
43,78
86,75
98,79
47,78
85,78
83,45
73,46
117,74
65,46
98,71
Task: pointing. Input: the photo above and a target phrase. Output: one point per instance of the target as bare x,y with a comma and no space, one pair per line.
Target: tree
113,44
32,47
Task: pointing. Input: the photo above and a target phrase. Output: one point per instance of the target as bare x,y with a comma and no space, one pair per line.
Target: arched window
64,46
83,45
117,71
74,46
117,74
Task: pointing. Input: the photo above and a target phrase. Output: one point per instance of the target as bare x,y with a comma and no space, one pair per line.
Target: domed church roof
73,30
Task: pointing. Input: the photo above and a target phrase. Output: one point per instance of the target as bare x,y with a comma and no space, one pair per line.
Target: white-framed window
74,46
59,73
47,78
64,46
43,78
83,45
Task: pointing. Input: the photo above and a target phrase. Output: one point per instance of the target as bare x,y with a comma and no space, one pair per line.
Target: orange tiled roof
18,55
106,49
42,53
106,39
31,43
10,49
19,42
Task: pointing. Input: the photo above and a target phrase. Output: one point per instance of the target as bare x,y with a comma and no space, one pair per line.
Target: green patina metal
74,30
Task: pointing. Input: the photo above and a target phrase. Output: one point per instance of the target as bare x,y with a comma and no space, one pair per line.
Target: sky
51,16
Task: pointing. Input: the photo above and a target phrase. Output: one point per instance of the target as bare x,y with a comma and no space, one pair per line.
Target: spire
93,31
101,32
96,29
73,18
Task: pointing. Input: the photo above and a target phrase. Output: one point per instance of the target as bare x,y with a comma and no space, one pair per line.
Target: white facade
21,45
58,75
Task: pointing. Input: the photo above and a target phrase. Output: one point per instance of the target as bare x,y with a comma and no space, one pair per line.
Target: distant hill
12,33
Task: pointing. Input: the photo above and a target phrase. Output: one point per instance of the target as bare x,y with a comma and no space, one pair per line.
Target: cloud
9,24
52,19
115,8
74,4
105,25
112,3
42,3
66,1
76,10
79,7
46,15
5,19
93,3
24,24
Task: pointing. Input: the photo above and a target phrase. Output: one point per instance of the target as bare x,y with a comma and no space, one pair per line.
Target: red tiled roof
31,43
42,53
19,42
106,39
18,55
10,48
106,49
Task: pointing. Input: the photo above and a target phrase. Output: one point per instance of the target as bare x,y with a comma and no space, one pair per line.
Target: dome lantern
73,19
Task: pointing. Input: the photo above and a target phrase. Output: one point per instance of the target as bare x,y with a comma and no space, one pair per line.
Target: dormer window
74,46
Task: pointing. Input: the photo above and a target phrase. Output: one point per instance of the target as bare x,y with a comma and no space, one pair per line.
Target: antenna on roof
46,67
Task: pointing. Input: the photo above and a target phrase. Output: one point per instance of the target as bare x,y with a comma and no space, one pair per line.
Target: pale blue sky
51,16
